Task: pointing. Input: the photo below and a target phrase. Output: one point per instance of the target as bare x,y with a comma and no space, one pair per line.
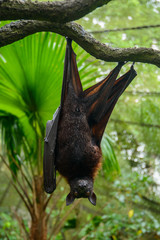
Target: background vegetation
128,205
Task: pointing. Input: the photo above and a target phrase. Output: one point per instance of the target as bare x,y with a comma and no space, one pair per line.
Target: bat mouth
81,193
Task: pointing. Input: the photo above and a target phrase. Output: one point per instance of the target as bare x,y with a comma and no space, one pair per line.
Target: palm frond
110,163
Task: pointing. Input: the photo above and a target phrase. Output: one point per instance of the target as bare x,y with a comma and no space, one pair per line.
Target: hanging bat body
73,137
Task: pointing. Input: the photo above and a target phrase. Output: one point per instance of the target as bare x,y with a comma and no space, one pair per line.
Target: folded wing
102,97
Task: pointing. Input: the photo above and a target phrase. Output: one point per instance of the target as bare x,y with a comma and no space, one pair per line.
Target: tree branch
24,177
25,192
62,12
150,201
20,29
148,125
141,93
22,225
126,29
58,226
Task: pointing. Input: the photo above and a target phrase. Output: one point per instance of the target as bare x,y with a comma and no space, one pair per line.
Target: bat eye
76,193
77,109
88,193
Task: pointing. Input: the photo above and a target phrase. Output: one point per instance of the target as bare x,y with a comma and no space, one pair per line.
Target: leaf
139,232
114,237
110,163
131,213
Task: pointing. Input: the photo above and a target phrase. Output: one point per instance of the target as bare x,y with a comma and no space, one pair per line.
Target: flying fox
73,136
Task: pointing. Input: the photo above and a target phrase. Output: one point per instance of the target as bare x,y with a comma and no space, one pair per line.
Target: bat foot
122,63
132,65
69,41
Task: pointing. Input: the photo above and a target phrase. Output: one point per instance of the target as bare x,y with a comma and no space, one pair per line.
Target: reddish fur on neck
98,167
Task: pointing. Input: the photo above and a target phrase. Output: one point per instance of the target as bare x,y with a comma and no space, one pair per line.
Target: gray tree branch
62,12
20,29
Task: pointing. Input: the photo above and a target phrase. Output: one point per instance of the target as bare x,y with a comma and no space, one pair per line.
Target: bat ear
69,199
92,198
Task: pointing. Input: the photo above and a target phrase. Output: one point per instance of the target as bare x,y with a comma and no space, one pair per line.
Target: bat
73,136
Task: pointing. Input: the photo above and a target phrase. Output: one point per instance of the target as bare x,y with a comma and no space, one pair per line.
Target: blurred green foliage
9,228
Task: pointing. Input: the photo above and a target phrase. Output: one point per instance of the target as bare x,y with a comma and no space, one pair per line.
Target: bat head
81,188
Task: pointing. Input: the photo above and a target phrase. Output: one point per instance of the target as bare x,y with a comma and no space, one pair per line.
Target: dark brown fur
77,153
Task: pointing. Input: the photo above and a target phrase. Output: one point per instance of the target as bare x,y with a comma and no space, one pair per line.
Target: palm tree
30,84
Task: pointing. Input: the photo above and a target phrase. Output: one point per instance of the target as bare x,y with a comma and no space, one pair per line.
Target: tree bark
20,29
62,12
38,230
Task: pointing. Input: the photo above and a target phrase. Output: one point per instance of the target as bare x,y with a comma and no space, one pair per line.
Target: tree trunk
38,230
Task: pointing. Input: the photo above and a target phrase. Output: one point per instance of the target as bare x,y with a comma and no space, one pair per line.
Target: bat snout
81,188
82,193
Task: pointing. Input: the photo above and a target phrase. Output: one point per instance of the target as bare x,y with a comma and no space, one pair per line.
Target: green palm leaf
31,73
110,163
